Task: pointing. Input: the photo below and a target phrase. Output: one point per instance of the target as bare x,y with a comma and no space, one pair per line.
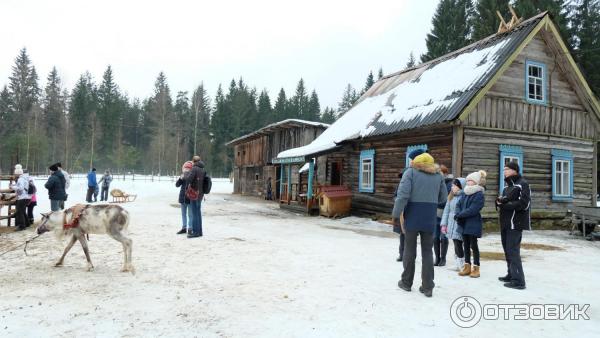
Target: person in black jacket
195,178
184,202
56,188
514,206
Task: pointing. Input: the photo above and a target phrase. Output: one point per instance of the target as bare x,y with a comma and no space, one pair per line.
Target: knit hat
460,182
187,166
18,169
53,167
416,153
513,165
478,177
424,158
58,164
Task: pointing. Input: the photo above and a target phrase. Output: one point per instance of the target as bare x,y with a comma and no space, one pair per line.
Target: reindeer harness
76,212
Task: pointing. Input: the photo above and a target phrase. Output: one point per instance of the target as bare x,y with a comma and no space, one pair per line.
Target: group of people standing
93,186
26,191
432,204
190,184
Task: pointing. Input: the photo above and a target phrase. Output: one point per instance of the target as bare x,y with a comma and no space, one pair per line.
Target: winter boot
443,252
460,262
475,271
436,249
466,270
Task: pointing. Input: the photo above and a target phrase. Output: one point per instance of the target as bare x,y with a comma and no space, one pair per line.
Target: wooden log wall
390,155
481,152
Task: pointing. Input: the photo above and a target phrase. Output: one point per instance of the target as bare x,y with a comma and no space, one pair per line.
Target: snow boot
475,271
443,252
466,270
436,249
460,262
505,279
427,293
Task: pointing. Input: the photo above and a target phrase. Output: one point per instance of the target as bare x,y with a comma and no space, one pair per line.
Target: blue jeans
55,205
186,216
196,207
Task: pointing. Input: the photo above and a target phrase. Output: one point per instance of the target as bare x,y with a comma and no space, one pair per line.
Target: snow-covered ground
260,271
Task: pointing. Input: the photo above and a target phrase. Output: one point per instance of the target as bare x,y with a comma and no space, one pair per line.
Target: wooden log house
514,96
254,154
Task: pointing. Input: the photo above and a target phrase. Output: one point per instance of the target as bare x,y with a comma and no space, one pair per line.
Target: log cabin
517,95
253,165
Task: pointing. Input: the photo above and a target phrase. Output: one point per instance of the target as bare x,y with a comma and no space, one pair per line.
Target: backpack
31,190
206,184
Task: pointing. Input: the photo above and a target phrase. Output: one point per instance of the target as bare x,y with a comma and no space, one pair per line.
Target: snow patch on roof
410,95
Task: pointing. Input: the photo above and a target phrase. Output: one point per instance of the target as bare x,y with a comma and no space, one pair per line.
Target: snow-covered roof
289,123
430,93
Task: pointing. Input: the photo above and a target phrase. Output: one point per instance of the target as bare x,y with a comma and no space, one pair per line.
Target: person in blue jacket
468,216
92,184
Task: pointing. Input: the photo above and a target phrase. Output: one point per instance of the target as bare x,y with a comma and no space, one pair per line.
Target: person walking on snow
105,183
67,183
450,227
468,215
515,209
56,188
92,185
195,179
420,192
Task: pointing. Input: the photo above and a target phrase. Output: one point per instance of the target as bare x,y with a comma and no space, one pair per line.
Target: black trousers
90,193
30,207
410,255
21,219
470,243
458,248
511,243
401,247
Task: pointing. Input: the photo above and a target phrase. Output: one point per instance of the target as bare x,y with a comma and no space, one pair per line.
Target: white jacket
21,187
67,179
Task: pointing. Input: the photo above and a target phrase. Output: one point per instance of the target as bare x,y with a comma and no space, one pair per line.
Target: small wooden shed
334,200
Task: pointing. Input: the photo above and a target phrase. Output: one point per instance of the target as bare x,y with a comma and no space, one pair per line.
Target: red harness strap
79,209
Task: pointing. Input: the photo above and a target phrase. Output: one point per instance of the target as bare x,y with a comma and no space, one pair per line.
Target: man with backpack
198,184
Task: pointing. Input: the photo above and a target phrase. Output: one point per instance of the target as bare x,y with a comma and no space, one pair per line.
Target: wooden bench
584,216
120,196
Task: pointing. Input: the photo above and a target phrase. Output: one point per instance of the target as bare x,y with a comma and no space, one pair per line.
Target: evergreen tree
486,21
451,28
369,83
299,103
380,74
162,113
108,113
24,91
201,112
82,118
586,42
220,123
53,112
328,115
280,108
265,111
5,111
314,108
348,99
411,61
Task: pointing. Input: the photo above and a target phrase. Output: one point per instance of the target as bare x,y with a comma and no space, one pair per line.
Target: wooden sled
120,196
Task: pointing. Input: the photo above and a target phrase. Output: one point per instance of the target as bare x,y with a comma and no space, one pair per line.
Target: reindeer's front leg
69,246
86,250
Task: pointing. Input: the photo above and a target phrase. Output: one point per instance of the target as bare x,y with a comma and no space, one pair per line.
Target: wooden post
281,177
595,175
311,174
457,150
289,184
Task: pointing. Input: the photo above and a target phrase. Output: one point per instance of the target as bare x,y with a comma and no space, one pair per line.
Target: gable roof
285,124
434,92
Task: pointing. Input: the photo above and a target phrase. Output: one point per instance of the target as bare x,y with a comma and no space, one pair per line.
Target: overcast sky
270,43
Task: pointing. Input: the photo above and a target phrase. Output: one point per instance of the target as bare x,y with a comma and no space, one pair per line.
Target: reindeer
85,219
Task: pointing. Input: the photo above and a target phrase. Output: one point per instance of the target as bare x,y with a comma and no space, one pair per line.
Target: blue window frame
509,153
562,175
410,149
366,175
535,82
